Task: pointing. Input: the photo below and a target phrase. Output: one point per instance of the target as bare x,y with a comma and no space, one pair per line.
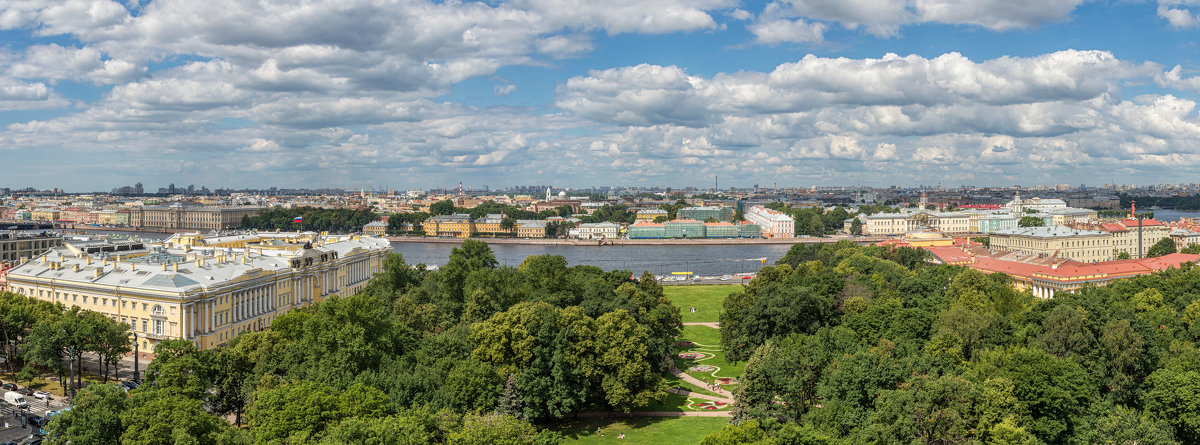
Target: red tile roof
1145,222
1114,227
951,255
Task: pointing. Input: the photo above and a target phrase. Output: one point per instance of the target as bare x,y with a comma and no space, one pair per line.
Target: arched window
158,310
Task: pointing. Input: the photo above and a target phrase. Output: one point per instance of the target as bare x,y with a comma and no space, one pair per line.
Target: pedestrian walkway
711,324
684,392
700,384
593,414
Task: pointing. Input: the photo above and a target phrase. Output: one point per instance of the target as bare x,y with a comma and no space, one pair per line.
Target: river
659,260
1173,215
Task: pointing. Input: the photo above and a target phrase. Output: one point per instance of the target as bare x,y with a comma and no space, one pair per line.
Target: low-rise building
719,213
650,215
1055,241
1045,277
206,290
1184,238
531,228
16,247
774,224
179,216
375,228
600,230
457,226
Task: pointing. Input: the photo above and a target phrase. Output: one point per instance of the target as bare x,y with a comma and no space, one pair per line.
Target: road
10,422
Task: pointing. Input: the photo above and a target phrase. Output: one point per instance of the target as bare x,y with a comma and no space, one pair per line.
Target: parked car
25,391
41,395
9,387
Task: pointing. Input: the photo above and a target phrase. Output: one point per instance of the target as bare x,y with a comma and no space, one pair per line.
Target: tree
94,418
508,224
1124,255
925,410
815,226
442,208
1031,221
162,418
1162,247
18,314
1191,249
499,429
660,219
856,227
300,412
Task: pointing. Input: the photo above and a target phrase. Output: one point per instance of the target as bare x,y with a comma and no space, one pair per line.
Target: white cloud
54,62
504,90
1175,79
886,17
1179,13
787,31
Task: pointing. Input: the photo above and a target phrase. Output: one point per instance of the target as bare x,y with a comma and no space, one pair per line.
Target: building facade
774,224
18,246
178,216
206,290
600,230
1056,241
721,213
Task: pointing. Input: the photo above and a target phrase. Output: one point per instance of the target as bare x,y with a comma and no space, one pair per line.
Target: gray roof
1048,232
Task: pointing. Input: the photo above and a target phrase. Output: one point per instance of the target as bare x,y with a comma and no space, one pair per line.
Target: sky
406,94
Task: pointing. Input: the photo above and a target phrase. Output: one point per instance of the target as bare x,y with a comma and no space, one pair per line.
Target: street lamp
136,353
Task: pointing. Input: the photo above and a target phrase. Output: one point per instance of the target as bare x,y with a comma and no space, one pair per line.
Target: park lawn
49,382
639,430
703,335
676,382
710,338
707,299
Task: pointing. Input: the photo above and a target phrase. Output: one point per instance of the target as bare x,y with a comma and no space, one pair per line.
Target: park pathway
711,324
700,384
725,413
684,392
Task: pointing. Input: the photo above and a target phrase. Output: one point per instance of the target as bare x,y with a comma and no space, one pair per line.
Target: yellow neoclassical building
1087,246
204,289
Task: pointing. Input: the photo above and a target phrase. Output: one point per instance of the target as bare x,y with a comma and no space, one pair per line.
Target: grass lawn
709,337
707,299
49,382
702,334
639,430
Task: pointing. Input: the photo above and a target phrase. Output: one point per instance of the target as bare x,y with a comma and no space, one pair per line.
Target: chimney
89,259
164,267
76,268
99,271
131,267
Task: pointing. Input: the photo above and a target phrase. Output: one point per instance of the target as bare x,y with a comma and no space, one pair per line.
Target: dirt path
711,324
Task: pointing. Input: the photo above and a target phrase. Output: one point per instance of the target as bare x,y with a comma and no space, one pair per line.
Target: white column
186,333
212,315
192,318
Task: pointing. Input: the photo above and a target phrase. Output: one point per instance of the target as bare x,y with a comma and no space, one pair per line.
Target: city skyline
412,94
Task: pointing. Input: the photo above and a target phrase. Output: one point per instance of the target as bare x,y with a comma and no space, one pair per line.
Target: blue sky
96,94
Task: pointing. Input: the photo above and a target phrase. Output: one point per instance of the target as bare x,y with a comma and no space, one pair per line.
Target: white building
601,230
774,224
901,223
1018,205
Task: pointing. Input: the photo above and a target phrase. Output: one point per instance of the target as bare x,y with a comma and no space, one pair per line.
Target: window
144,326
